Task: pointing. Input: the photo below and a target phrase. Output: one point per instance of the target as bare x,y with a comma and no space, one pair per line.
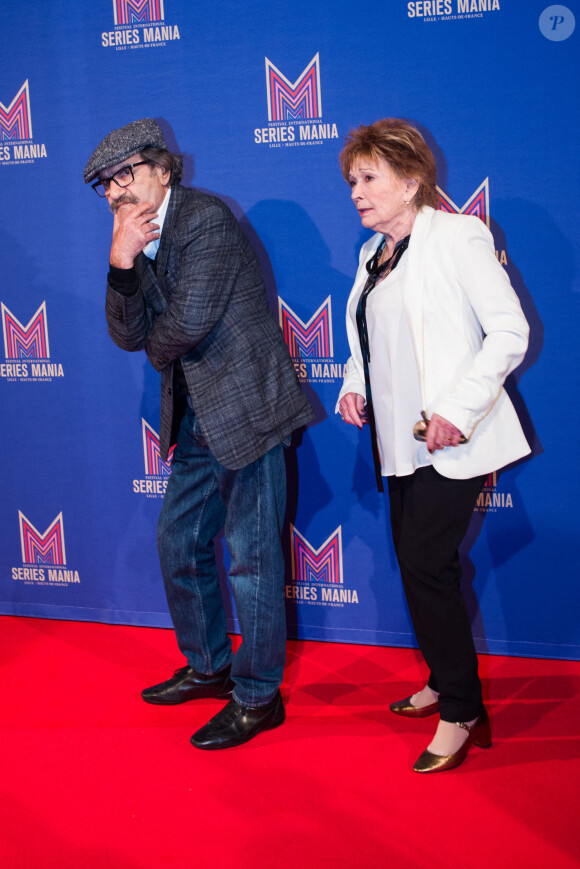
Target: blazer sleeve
128,318
487,288
352,382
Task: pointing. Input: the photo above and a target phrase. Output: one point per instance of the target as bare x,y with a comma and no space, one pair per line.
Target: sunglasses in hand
420,430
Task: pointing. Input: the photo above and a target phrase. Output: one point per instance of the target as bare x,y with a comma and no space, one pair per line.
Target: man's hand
352,409
441,433
133,229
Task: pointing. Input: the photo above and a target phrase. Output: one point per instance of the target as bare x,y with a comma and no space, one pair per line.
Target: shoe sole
417,711
157,701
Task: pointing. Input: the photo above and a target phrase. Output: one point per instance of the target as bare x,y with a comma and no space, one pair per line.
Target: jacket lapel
152,276
173,209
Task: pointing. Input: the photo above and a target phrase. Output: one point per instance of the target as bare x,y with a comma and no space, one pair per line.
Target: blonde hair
404,149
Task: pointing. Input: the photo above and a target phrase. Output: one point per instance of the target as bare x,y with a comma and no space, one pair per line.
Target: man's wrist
124,280
121,261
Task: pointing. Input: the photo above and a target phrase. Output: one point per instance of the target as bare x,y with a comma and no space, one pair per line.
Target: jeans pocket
197,433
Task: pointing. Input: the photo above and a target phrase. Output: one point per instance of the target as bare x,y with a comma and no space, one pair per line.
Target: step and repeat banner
258,97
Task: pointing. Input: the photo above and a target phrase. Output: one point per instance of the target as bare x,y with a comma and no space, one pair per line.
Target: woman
434,328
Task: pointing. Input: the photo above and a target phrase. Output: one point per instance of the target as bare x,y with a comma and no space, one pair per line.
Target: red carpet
93,777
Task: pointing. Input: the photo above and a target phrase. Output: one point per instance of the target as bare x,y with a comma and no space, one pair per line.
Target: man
185,285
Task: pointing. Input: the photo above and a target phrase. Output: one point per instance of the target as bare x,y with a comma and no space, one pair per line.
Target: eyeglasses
122,178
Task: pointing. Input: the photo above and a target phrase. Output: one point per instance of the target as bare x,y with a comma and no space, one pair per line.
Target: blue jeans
203,497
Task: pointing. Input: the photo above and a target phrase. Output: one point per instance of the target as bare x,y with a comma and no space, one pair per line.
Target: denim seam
198,597
257,537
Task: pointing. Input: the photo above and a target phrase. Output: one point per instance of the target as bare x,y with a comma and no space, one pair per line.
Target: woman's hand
441,433
352,409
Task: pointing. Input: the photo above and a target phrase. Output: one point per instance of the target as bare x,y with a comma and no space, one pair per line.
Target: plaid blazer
205,304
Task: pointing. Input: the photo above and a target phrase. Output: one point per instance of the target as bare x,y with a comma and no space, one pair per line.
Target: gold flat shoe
478,733
406,708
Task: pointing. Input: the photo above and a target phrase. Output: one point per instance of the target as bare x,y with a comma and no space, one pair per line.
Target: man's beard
124,199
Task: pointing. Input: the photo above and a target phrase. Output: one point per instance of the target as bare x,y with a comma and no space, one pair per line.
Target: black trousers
430,515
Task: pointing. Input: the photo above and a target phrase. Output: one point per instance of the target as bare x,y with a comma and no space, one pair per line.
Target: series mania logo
294,109
446,10
310,344
139,24
26,348
43,555
16,142
156,470
477,205
490,499
317,573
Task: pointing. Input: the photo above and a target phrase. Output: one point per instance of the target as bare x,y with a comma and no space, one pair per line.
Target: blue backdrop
258,97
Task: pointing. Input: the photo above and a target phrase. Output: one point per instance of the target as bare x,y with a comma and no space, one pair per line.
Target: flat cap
122,143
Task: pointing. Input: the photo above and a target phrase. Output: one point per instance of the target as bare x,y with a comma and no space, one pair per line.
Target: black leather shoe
236,724
187,684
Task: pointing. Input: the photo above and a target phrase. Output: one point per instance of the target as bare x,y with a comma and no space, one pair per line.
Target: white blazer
468,332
